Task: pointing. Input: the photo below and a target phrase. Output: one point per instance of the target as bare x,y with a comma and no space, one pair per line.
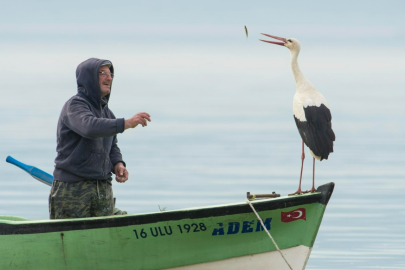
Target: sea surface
221,128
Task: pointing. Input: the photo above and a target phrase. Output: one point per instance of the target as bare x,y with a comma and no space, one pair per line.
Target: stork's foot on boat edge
300,192
312,190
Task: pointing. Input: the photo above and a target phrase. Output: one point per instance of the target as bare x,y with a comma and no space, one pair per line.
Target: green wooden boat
226,236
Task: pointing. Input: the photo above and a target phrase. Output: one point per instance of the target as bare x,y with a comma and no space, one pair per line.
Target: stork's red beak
274,42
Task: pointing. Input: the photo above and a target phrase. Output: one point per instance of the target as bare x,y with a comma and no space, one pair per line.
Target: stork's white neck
299,76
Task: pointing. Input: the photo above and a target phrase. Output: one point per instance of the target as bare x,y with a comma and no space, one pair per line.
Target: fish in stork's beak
274,42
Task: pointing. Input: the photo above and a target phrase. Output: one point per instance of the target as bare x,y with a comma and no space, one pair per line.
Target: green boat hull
189,237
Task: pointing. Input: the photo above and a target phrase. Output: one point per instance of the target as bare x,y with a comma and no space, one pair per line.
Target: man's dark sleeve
81,120
115,154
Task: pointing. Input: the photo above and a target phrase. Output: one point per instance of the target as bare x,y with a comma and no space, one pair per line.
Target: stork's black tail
317,131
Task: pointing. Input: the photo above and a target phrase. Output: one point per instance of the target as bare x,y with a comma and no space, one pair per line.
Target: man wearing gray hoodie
87,148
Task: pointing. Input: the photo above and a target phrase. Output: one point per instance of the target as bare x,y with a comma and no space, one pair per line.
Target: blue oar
38,174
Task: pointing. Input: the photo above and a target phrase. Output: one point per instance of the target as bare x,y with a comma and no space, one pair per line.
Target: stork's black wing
317,131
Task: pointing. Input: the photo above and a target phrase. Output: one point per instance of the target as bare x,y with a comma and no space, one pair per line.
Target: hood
87,78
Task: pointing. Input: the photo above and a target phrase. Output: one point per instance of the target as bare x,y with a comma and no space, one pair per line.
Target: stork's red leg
302,166
313,189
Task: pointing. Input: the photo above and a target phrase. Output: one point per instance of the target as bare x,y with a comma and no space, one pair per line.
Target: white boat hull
297,257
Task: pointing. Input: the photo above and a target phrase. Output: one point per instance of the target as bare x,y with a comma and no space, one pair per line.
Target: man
87,146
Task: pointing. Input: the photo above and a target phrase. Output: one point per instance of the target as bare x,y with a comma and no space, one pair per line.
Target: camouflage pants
88,198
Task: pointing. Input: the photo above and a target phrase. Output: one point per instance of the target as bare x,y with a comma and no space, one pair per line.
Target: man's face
105,81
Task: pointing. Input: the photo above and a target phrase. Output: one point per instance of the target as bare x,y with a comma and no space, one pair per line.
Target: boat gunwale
7,227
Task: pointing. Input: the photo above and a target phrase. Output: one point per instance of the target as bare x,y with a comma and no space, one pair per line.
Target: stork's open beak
274,42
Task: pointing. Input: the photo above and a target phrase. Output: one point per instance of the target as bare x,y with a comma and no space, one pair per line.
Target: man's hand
139,118
121,173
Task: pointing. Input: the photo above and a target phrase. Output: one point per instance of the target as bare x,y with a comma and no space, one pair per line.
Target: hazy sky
179,22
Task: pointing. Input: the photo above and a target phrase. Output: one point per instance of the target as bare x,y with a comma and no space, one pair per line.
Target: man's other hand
139,118
121,173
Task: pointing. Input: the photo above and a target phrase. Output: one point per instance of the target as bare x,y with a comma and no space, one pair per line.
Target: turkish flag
293,215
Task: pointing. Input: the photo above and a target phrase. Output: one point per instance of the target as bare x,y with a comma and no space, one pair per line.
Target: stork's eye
289,40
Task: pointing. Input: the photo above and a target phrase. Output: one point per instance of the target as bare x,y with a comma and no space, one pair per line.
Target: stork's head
290,43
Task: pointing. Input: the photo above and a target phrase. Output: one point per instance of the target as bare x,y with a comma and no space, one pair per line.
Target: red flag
293,215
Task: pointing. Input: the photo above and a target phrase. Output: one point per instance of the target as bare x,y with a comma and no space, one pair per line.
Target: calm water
217,134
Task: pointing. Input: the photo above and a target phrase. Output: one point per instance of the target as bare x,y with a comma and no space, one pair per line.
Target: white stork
311,113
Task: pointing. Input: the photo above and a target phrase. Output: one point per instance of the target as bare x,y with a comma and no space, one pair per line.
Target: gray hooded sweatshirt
86,134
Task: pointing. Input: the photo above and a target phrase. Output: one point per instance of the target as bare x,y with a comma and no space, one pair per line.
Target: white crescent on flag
299,213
